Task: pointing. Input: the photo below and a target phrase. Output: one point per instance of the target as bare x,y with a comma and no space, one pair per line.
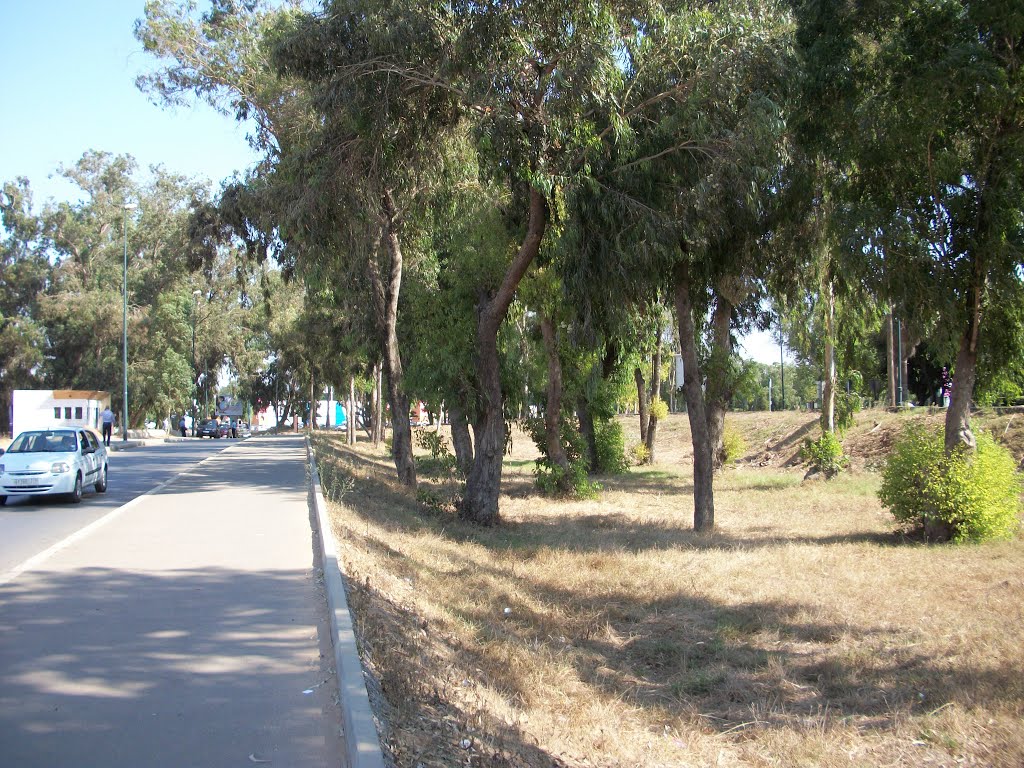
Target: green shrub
958,496
734,445
825,454
847,404
639,454
659,409
441,459
552,479
611,448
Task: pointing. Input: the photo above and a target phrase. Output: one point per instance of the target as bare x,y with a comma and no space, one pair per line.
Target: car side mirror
2,451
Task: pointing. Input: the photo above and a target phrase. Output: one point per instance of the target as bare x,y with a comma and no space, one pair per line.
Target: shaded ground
604,632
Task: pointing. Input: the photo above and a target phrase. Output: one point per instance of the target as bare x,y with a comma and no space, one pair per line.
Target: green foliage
734,444
825,454
972,497
611,448
847,404
441,459
659,409
552,479
639,454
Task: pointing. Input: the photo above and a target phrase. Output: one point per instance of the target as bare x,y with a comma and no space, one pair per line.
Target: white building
51,408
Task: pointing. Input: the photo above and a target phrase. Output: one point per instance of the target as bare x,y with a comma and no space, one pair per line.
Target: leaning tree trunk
387,302
652,419
480,503
703,467
553,410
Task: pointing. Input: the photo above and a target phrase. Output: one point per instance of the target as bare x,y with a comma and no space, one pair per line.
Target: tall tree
930,97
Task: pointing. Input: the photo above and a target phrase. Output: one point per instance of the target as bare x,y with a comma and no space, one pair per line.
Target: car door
89,459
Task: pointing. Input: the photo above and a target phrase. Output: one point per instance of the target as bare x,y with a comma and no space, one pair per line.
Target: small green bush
825,454
441,460
957,496
639,454
847,404
550,478
659,409
734,445
611,448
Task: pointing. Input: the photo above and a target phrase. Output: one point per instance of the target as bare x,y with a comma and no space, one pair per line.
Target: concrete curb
361,739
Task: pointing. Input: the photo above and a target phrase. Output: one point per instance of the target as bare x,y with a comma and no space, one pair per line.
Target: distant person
234,429
181,426
107,417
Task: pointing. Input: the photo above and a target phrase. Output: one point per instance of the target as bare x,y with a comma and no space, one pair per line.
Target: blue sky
69,86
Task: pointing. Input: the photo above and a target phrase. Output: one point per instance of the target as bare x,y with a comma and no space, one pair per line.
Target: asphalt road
29,525
190,631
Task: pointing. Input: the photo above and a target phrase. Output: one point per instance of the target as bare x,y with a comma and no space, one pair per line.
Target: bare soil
805,631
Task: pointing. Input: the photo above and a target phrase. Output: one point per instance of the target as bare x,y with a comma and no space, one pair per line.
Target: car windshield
44,442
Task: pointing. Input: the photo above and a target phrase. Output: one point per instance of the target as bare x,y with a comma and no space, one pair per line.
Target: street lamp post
124,324
195,369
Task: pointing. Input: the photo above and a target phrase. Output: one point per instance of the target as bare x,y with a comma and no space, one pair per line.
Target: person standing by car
181,426
107,417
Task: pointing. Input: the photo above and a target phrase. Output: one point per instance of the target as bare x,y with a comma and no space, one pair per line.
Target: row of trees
195,313
496,200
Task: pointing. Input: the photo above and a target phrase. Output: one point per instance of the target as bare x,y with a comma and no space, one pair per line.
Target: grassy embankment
803,632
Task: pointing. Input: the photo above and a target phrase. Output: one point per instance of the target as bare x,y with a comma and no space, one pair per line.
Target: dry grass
804,632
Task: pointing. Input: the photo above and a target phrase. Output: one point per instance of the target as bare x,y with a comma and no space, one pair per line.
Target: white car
46,462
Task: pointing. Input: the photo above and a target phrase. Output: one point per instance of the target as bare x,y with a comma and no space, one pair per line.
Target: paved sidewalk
190,629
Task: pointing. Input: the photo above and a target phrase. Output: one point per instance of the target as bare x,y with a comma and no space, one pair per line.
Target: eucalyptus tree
24,274
694,192
931,96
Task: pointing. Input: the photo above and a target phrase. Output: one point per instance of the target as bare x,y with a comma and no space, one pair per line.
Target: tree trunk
350,422
378,416
828,396
890,360
387,303
553,410
480,504
374,404
652,419
461,440
958,430
5,413
641,398
314,403
703,468
720,382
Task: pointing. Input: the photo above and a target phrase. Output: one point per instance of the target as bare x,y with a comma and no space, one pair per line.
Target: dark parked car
224,429
209,428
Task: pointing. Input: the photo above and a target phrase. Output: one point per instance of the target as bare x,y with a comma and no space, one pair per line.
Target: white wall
34,409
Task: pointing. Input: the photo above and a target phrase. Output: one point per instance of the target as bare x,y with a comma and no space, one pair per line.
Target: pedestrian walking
107,417
181,426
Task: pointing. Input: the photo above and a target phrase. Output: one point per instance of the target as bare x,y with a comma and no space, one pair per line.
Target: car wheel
101,484
76,495
3,500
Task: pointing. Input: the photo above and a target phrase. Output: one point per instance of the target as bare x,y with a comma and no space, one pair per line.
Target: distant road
30,525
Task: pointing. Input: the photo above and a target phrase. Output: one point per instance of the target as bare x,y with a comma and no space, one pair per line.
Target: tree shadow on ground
125,668
774,663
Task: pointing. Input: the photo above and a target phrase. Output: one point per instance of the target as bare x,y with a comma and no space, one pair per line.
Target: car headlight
60,467
1,469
